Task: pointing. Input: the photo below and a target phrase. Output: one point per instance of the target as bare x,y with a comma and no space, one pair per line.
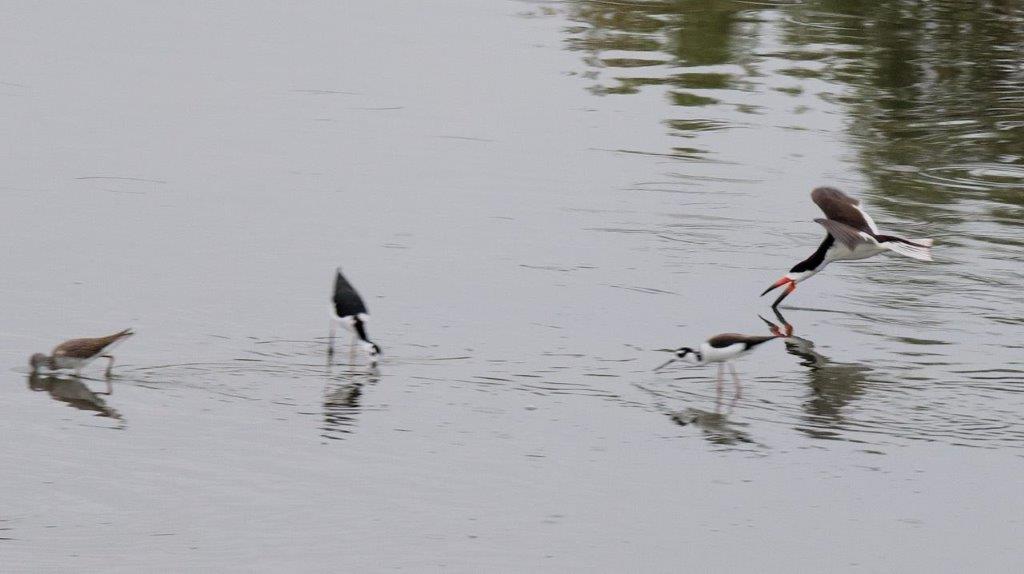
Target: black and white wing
839,207
847,222
843,233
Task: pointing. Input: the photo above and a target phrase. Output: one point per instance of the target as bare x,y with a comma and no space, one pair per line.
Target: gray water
532,198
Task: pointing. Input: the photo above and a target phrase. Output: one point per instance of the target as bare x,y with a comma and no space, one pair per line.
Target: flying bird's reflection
71,390
343,401
833,385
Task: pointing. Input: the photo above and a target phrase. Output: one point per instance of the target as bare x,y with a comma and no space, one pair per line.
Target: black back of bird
347,302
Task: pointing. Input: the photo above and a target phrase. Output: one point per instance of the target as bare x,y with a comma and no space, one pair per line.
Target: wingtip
819,193
915,249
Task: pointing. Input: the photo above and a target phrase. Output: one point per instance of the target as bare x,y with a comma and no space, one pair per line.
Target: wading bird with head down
720,349
852,234
349,310
77,353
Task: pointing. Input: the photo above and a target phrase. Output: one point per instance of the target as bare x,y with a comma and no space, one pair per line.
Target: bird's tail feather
920,249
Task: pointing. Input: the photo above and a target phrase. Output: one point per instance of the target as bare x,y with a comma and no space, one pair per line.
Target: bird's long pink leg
718,386
736,381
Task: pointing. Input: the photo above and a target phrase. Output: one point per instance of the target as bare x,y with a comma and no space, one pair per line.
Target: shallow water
532,198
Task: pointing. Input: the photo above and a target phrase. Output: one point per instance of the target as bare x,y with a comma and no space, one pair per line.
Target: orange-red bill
780,283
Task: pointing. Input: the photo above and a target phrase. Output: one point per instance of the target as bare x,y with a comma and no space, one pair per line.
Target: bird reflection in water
833,385
71,390
343,400
716,426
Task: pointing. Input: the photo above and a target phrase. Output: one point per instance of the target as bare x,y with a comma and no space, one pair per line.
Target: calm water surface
533,197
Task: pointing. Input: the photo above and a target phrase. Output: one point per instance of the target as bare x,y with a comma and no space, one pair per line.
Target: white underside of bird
711,354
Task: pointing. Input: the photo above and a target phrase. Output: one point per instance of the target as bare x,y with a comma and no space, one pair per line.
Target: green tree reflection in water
937,100
696,50
935,90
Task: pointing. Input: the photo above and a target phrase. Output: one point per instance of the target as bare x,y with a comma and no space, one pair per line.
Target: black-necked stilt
720,349
77,353
349,310
852,234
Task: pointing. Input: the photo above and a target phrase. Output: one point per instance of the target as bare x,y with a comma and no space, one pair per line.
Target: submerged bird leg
736,382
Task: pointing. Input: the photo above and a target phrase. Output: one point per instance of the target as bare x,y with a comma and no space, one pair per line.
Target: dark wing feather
89,347
727,339
753,341
843,233
347,302
840,207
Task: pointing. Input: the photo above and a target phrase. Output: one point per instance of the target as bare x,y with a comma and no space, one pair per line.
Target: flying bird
349,310
852,234
77,353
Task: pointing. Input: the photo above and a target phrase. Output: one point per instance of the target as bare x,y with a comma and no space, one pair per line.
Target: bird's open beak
665,364
776,285
789,289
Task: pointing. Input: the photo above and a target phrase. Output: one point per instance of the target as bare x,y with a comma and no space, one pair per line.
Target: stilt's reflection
716,426
71,390
833,385
343,400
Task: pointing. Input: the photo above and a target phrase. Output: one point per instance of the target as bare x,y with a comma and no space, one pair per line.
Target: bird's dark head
681,354
374,351
38,361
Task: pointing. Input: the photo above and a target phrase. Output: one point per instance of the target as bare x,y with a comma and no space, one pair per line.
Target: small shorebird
77,353
720,349
852,234
349,310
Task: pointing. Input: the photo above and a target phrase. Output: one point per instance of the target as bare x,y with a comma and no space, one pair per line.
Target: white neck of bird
803,275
